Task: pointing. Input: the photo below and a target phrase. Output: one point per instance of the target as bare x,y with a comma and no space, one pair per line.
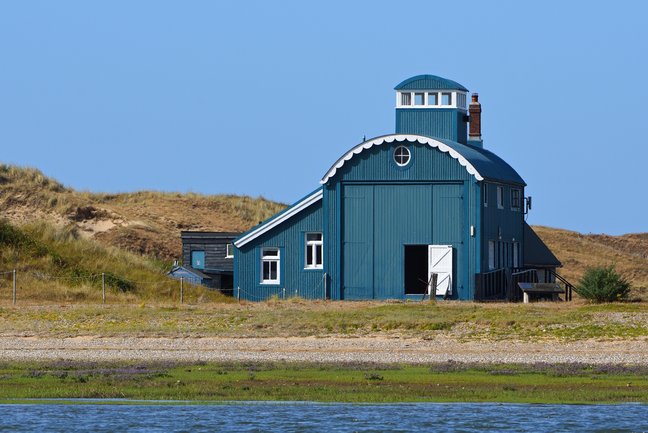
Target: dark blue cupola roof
429,82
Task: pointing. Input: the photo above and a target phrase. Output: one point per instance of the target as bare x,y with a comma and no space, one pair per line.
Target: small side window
406,99
229,251
433,99
198,259
270,259
516,195
500,197
446,99
314,253
491,255
419,98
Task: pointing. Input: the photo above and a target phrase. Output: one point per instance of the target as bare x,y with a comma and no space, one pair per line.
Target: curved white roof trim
289,213
401,137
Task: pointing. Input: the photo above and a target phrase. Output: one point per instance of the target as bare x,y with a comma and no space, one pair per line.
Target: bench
534,291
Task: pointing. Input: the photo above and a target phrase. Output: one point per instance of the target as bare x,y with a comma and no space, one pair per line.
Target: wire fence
107,280
264,293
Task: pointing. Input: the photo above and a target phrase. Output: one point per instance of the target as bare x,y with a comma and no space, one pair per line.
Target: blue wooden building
397,209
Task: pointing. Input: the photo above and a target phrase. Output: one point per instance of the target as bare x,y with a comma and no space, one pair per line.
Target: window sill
270,283
321,268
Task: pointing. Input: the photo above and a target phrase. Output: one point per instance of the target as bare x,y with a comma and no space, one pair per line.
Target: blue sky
260,98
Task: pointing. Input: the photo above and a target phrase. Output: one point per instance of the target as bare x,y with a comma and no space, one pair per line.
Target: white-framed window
229,251
314,251
485,189
433,98
419,99
270,269
446,98
516,199
406,99
491,255
516,254
500,197
402,156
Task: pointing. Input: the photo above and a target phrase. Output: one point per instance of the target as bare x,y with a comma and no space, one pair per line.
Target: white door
440,263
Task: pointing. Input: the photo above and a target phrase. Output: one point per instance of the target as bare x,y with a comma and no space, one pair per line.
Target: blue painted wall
374,208
505,225
448,123
289,237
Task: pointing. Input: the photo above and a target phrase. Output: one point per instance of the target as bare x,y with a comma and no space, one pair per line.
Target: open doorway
416,269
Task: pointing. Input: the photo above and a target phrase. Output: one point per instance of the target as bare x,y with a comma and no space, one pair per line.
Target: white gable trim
289,213
401,137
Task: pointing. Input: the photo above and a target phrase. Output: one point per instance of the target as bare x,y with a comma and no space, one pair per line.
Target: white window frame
516,254
271,259
229,250
500,197
427,99
409,156
491,255
450,99
457,99
313,245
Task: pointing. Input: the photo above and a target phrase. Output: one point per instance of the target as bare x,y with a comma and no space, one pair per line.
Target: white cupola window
431,98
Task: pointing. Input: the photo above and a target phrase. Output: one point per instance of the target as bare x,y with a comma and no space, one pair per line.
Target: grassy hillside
629,253
143,222
56,265
149,223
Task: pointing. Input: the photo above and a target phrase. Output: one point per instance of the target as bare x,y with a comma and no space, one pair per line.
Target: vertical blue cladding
357,242
448,123
289,238
379,220
505,224
375,208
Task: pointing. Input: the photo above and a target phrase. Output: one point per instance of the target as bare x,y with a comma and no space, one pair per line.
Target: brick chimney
474,131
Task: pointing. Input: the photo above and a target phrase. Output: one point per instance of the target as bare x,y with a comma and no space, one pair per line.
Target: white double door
440,263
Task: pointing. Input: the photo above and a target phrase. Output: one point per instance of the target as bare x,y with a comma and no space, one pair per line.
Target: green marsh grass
327,383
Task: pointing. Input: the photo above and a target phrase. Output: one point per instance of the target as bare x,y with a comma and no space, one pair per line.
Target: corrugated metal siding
289,238
332,245
445,123
429,82
379,220
377,164
509,222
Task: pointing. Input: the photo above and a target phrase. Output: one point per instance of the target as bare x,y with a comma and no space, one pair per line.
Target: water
316,417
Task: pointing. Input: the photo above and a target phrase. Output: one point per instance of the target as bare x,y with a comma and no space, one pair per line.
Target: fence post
238,294
14,287
284,293
103,287
182,290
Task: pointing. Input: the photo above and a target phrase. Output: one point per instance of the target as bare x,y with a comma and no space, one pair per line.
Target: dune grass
458,320
56,265
449,382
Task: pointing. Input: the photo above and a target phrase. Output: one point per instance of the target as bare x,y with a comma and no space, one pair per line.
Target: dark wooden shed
212,254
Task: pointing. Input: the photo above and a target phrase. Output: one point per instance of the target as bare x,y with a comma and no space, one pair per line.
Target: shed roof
429,82
481,163
188,270
536,252
208,235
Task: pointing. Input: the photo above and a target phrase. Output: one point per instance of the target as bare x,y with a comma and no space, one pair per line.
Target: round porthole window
402,156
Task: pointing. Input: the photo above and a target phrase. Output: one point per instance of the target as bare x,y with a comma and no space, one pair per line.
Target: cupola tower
432,106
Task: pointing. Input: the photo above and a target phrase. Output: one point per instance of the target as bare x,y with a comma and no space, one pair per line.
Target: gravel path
334,350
